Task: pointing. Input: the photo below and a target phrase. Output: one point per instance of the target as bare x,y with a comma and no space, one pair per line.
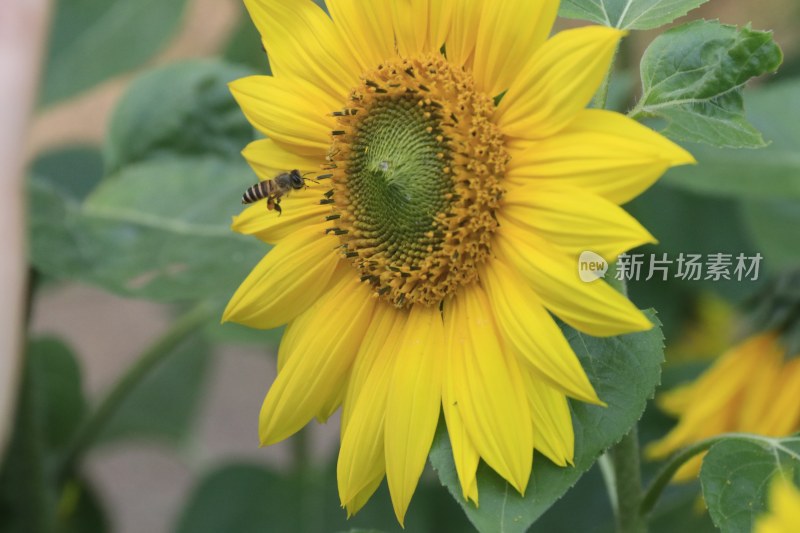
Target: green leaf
159,229
159,226
693,75
164,405
238,498
628,14
765,182
72,171
625,371
737,473
58,392
184,109
243,498
49,408
93,40
772,172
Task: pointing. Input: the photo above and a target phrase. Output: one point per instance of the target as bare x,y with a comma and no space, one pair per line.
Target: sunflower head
466,176
417,165
751,388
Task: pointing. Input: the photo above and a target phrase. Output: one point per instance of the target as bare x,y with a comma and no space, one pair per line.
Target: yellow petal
690,469
487,387
415,397
301,209
708,413
303,43
510,32
440,20
784,507
689,430
323,359
466,18
367,29
298,328
293,333
465,456
759,392
332,405
385,330
558,81
269,159
594,308
531,331
286,282
783,417
410,18
293,113
676,401
360,500
361,456
552,422
727,377
574,220
601,151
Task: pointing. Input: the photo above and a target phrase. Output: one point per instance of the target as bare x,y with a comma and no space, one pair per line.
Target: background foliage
145,214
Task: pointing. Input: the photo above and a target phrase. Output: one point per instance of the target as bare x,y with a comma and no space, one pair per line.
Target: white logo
591,267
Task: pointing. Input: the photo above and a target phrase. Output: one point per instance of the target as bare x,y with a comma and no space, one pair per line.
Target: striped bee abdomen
257,192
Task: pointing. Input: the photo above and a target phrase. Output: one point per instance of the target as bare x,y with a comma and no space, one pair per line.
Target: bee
273,190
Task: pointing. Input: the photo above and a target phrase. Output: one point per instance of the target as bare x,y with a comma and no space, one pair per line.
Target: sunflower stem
624,477
628,478
158,352
637,111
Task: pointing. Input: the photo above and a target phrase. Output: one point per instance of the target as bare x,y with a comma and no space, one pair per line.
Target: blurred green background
134,91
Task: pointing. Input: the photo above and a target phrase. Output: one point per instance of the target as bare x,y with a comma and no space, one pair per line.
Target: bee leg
278,207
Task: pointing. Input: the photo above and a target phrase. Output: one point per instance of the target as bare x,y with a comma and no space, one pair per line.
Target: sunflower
752,388
458,177
784,504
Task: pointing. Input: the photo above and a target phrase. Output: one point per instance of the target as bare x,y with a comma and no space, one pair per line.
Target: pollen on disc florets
416,164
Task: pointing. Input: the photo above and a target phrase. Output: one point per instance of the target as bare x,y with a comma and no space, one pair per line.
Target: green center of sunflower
396,172
416,167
